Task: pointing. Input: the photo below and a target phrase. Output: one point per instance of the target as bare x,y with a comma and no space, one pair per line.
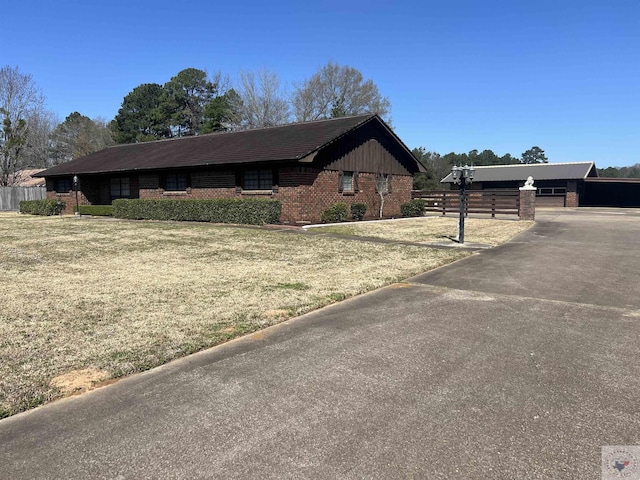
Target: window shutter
355,182
340,182
389,183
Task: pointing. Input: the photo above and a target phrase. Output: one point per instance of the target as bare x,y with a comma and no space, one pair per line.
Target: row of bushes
47,206
338,211
248,211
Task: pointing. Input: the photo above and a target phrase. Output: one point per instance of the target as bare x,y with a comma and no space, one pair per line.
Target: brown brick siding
303,199
572,198
69,199
527,204
305,202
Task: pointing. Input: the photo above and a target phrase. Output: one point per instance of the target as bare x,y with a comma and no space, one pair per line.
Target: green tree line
620,172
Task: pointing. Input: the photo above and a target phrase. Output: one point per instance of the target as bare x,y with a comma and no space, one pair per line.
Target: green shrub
336,213
47,206
248,211
413,208
358,210
95,210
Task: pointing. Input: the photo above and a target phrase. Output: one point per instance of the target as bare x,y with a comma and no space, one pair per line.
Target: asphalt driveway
518,362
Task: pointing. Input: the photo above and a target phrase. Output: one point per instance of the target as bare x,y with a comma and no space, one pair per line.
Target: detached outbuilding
307,166
557,184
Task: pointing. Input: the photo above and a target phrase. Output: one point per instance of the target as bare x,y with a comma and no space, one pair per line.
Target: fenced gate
10,197
492,202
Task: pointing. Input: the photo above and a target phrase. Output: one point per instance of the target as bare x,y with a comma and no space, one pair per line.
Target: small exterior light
455,174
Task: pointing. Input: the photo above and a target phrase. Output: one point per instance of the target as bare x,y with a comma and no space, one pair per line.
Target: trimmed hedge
95,210
248,211
336,213
47,206
358,210
413,208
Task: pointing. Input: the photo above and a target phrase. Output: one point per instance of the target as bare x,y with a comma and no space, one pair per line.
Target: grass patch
433,230
121,297
294,286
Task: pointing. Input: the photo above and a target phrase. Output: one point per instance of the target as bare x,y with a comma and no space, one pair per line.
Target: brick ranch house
307,166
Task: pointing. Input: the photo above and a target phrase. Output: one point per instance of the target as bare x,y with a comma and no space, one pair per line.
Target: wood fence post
493,205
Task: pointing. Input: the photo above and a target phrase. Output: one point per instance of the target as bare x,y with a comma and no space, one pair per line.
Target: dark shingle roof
288,142
539,171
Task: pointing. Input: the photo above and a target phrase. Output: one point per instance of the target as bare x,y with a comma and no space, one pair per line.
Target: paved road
518,362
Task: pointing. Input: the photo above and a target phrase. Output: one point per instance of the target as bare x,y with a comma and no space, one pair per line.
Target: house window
552,191
63,185
347,182
120,187
257,180
382,183
176,182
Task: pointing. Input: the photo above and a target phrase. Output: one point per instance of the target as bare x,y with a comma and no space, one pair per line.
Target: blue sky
460,75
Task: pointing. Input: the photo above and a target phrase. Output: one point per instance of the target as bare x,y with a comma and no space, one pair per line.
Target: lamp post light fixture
462,176
76,182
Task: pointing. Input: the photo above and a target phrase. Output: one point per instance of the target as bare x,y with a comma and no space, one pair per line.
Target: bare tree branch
20,99
335,91
262,100
40,124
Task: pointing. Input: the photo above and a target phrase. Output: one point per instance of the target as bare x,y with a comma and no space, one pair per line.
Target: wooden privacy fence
493,202
10,197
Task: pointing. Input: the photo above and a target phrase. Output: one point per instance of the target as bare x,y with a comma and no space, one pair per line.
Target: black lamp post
462,176
76,181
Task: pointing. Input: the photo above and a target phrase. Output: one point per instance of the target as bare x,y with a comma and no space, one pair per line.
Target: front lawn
86,300
432,229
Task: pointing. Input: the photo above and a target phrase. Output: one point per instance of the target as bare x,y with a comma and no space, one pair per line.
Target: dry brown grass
434,230
98,298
